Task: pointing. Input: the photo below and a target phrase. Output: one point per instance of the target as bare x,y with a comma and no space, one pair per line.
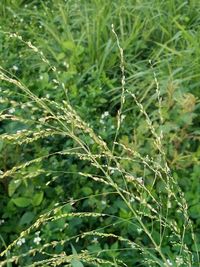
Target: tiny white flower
95,240
2,221
37,233
105,114
102,121
11,110
15,68
21,241
123,117
66,64
139,230
37,240
41,77
112,171
103,202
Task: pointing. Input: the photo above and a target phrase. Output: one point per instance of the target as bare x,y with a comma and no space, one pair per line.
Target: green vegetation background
77,38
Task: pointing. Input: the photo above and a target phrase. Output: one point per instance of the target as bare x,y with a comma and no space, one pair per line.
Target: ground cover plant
99,131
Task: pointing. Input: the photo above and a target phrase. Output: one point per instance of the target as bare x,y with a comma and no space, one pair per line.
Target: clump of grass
149,207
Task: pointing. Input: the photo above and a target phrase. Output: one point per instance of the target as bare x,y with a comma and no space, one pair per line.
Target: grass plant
109,189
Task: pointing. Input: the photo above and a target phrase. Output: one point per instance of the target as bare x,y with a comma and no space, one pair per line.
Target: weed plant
128,208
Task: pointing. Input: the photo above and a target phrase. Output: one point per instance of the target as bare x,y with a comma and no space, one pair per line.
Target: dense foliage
99,124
